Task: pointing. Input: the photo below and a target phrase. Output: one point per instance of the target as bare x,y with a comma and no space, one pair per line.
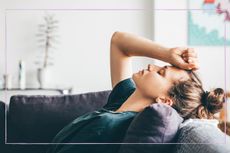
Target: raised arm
125,45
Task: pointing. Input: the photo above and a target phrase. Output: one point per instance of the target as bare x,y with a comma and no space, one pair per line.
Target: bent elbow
116,37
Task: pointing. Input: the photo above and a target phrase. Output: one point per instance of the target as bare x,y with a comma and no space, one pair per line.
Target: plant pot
43,77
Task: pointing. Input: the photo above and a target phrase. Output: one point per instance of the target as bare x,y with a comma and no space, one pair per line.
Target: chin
135,77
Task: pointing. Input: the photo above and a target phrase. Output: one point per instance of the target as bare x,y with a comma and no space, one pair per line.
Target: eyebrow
181,76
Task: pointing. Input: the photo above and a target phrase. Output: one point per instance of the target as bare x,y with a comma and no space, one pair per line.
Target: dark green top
101,126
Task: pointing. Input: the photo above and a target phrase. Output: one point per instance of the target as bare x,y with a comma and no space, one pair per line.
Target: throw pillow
158,123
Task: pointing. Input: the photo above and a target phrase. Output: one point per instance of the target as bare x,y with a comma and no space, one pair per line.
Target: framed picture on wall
209,22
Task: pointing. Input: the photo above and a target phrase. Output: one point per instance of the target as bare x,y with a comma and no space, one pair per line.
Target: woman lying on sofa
175,85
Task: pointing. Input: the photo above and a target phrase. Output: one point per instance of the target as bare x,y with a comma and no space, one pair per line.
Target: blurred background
62,46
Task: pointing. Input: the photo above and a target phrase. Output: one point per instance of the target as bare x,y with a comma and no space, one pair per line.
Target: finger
190,54
192,60
190,50
189,59
191,65
183,50
179,50
194,64
186,66
185,59
183,64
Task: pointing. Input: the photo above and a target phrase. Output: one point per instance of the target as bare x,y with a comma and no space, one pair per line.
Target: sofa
33,121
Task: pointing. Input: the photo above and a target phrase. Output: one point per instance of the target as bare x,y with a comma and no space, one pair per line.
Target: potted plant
47,39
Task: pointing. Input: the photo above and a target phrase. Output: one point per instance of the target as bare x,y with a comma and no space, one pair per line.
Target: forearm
133,45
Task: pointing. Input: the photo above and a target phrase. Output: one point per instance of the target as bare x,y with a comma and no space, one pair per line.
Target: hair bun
214,100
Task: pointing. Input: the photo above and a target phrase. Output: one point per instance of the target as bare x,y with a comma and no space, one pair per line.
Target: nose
149,66
152,67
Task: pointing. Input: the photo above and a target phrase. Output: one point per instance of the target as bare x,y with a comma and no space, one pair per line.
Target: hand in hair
184,58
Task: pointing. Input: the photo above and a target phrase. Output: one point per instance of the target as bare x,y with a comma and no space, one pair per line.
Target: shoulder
123,86
120,93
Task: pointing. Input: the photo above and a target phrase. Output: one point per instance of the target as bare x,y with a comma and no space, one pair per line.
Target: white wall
82,57
171,29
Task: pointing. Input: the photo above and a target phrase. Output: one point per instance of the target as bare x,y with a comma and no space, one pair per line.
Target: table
5,94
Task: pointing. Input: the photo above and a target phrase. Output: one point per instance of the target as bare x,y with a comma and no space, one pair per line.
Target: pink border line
103,9
105,143
225,80
5,73
109,9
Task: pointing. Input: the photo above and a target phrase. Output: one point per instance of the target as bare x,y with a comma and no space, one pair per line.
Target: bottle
22,75
7,83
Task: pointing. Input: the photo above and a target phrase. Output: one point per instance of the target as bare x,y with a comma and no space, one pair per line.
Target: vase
43,77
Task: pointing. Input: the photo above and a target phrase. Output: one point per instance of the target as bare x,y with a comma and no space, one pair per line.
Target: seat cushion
158,123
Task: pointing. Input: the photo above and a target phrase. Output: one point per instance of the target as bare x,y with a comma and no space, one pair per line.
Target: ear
165,100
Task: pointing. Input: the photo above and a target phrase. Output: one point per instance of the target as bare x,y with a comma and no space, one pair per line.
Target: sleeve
120,93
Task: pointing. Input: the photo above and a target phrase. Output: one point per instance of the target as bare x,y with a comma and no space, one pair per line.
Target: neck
136,102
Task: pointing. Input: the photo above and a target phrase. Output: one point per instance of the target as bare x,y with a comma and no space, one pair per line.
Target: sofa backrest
37,119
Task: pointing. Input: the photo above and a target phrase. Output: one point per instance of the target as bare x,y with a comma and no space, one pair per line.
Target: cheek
149,84
154,85
152,79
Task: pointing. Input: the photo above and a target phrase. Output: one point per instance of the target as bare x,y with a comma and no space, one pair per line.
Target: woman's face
156,81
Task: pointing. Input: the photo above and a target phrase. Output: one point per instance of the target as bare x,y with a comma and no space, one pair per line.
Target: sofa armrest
2,123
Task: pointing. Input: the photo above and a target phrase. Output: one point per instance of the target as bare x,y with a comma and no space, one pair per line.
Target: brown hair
191,101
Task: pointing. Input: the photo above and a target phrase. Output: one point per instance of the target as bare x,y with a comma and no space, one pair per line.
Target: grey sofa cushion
37,119
201,136
158,123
